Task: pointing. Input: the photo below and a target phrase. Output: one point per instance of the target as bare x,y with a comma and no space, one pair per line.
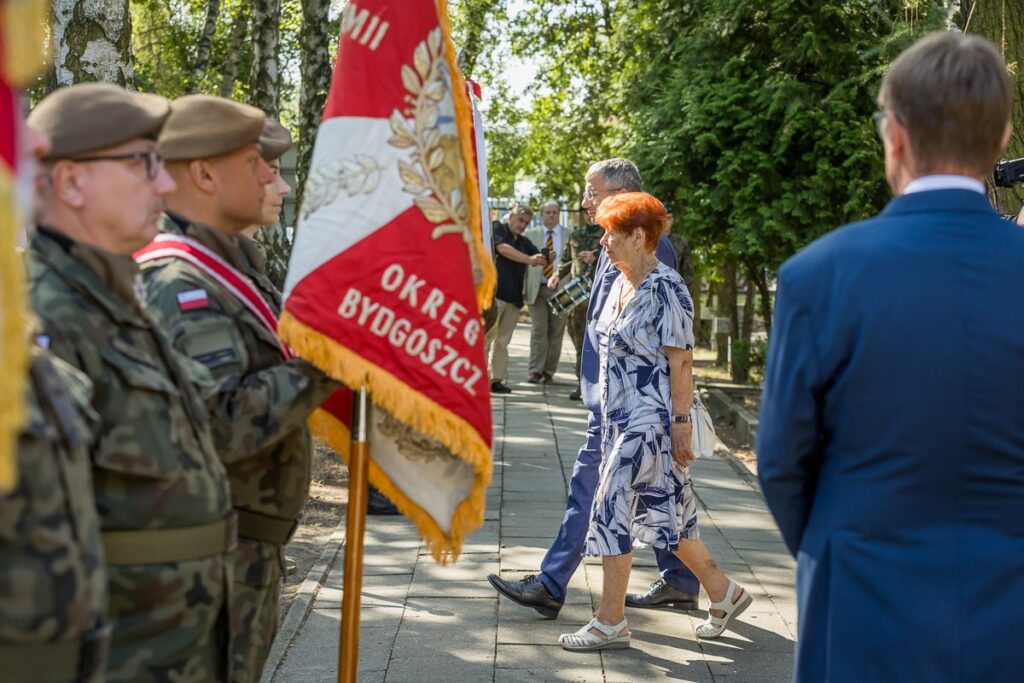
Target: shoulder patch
193,299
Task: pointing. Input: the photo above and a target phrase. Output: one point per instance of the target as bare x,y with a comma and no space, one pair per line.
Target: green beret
275,141
92,116
203,127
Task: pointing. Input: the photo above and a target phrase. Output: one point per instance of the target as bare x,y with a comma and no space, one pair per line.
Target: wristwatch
680,418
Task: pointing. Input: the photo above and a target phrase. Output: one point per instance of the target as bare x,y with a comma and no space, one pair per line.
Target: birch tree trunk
266,34
92,41
263,93
314,42
203,46
240,26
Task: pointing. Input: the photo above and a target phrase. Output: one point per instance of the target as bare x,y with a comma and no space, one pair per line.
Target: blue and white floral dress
642,497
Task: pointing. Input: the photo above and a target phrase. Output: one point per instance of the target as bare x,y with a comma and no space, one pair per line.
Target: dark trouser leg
566,552
577,328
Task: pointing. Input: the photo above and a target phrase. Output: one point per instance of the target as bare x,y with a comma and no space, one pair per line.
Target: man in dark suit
891,448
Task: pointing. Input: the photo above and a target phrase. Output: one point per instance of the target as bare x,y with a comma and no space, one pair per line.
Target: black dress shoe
575,396
529,592
663,596
535,377
379,504
499,388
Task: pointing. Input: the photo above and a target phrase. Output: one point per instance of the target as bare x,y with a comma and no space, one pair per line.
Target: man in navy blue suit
891,447
545,592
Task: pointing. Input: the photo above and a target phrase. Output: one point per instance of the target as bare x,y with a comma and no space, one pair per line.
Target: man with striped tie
547,328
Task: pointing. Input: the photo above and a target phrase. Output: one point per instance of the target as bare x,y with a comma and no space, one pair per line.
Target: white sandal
585,641
731,605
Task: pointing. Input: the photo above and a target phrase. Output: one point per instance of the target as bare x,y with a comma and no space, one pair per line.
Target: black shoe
663,596
499,388
547,377
379,504
576,396
529,592
535,377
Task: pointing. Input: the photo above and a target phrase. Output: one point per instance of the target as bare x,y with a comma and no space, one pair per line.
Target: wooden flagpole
355,526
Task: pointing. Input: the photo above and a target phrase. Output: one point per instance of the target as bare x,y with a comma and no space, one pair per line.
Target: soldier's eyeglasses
151,159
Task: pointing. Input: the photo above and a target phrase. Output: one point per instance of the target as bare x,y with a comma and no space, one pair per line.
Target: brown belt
159,546
59,662
256,526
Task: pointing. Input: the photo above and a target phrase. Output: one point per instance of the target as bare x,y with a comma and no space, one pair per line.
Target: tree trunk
727,307
263,93
698,277
764,296
1002,22
740,368
266,34
203,46
92,41
314,44
238,31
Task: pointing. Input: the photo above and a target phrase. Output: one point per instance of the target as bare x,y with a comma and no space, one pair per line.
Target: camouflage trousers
254,607
577,326
169,621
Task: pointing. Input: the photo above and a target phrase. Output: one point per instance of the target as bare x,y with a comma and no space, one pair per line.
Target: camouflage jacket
587,238
684,264
154,467
53,586
261,401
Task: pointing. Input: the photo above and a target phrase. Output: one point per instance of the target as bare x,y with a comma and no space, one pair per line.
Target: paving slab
422,622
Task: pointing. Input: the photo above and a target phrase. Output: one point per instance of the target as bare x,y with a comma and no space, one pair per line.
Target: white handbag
703,436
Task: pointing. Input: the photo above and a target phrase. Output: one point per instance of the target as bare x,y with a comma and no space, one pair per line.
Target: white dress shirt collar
927,183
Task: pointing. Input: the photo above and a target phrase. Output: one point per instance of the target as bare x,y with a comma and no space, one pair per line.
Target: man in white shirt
547,328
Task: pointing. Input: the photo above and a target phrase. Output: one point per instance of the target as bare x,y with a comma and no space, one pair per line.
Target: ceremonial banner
388,271
22,26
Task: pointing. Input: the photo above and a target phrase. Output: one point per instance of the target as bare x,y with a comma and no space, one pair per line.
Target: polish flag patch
193,299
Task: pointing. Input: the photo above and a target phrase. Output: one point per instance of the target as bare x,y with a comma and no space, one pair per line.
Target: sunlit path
423,622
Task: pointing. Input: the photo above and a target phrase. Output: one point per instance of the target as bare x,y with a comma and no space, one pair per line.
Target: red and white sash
222,272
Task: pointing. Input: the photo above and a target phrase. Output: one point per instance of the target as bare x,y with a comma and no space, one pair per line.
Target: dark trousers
566,552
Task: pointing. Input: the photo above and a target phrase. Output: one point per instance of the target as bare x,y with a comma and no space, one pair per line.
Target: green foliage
759,120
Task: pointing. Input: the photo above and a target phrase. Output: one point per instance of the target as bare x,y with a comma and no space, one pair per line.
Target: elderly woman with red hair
644,495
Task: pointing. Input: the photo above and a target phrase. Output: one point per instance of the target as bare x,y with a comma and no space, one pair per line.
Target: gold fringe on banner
410,407
24,24
14,351
464,120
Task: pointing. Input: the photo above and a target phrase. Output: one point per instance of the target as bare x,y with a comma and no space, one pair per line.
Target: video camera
1009,173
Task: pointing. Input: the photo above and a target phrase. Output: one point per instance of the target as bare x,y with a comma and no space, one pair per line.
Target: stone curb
740,467
303,603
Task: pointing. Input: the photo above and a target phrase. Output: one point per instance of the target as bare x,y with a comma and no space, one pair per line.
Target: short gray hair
550,202
621,174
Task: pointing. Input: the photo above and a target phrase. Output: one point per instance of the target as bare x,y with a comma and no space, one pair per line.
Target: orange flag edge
412,408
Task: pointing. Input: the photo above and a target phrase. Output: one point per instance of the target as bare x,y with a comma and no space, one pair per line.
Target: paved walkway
424,623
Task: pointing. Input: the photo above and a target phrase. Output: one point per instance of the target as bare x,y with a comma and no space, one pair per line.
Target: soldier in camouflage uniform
263,400
684,257
160,489
579,256
53,585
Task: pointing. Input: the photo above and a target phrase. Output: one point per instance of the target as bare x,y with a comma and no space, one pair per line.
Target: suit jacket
535,274
891,446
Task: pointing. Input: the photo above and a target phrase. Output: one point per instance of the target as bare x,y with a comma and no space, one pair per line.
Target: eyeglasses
590,194
151,159
879,118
